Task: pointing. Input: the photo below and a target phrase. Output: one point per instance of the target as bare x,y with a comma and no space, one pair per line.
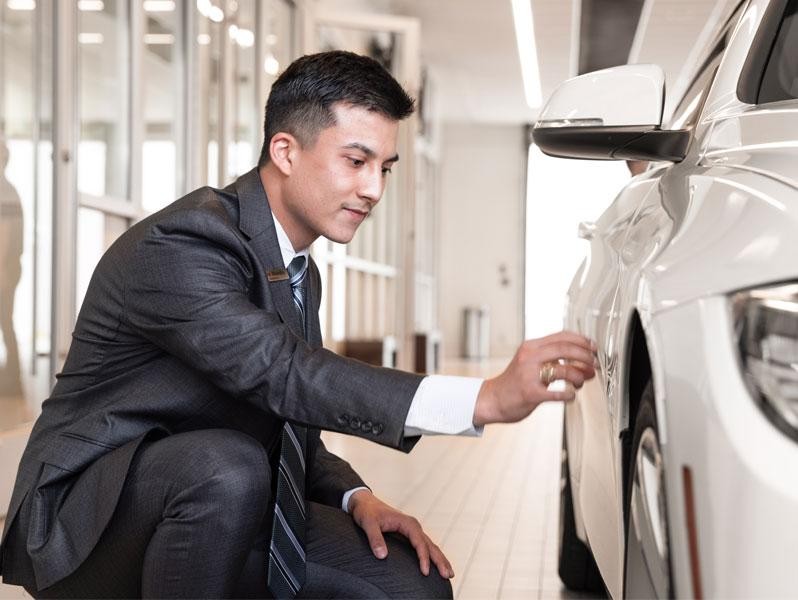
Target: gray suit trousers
193,521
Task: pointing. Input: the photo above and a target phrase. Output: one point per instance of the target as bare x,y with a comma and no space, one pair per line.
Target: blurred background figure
11,232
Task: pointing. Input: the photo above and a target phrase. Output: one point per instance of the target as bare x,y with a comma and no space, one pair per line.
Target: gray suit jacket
182,330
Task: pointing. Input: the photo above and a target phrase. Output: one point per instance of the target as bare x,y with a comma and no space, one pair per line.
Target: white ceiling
469,47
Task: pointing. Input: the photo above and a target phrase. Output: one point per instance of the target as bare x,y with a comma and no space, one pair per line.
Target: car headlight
766,323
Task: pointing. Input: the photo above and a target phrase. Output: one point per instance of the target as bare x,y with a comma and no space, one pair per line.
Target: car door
593,310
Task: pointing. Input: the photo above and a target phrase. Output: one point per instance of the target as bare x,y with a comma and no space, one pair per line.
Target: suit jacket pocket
72,452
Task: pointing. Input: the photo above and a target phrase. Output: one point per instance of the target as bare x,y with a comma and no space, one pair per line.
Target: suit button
366,426
343,419
354,423
377,429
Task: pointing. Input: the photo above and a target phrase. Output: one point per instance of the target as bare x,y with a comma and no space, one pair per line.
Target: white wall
483,173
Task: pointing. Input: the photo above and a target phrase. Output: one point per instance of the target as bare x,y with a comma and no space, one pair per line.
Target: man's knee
407,578
222,466
435,586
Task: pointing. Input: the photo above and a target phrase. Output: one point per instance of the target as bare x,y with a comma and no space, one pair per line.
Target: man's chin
340,237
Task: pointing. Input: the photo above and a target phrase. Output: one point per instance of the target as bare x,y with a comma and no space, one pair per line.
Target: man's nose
372,185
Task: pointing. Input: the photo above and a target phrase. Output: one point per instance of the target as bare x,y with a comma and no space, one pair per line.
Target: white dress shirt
442,404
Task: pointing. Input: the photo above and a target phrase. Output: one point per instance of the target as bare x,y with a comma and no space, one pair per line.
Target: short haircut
301,100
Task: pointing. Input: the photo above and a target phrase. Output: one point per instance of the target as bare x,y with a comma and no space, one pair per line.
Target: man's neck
272,180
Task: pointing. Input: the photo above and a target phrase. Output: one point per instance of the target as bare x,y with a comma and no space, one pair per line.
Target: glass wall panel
103,98
162,92
25,209
103,165
207,42
241,147
98,231
277,47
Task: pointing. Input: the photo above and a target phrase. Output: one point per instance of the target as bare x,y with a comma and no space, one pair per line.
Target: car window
687,110
780,79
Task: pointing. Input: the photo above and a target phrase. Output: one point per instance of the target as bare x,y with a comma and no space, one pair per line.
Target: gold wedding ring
547,373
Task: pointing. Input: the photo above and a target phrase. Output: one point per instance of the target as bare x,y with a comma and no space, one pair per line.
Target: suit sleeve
330,477
189,291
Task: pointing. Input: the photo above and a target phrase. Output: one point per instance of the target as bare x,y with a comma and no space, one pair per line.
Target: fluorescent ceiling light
527,52
90,38
159,39
21,4
159,5
91,5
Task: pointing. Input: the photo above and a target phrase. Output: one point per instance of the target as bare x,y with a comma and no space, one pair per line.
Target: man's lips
357,212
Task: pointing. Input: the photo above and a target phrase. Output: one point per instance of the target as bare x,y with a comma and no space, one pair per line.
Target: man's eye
356,162
386,170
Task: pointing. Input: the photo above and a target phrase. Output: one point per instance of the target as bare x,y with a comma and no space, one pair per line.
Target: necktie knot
296,269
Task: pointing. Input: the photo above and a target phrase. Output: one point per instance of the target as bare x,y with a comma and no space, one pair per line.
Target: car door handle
586,230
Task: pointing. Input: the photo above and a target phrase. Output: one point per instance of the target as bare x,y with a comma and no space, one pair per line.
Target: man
179,454
11,233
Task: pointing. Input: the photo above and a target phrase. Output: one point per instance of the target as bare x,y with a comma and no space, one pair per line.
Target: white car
680,459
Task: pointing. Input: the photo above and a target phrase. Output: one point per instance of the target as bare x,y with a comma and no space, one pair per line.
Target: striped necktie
286,570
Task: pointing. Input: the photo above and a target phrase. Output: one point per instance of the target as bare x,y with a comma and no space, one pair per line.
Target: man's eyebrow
368,151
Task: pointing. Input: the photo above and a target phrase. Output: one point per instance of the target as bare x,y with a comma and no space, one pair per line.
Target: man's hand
375,518
515,393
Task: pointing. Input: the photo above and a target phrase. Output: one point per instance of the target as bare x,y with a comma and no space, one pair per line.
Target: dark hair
301,99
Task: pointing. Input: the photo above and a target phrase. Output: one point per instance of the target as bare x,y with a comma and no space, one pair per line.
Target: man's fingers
570,374
441,562
568,337
412,531
557,351
376,540
566,395
588,370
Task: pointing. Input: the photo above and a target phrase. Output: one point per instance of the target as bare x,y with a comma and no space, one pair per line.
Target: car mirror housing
612,114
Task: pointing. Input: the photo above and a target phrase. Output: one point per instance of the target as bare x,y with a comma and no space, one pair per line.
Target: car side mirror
612,114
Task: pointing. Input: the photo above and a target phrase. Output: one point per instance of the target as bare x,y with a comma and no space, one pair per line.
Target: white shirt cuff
444,404
348,495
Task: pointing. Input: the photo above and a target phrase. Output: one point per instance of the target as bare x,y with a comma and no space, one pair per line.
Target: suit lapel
257,223
314,294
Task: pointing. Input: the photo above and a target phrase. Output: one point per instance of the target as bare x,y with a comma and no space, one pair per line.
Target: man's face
336,182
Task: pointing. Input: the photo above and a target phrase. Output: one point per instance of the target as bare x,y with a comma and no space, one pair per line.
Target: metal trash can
476,332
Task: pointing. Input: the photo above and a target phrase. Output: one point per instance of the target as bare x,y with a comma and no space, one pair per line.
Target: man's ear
283,149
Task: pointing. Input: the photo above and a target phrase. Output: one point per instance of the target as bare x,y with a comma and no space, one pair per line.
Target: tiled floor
491,503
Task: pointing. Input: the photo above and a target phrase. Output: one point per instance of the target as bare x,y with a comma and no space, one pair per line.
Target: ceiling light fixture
209,10
245,38
91,5
90,38
159,5
271,65
159,39
21,4
527,52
